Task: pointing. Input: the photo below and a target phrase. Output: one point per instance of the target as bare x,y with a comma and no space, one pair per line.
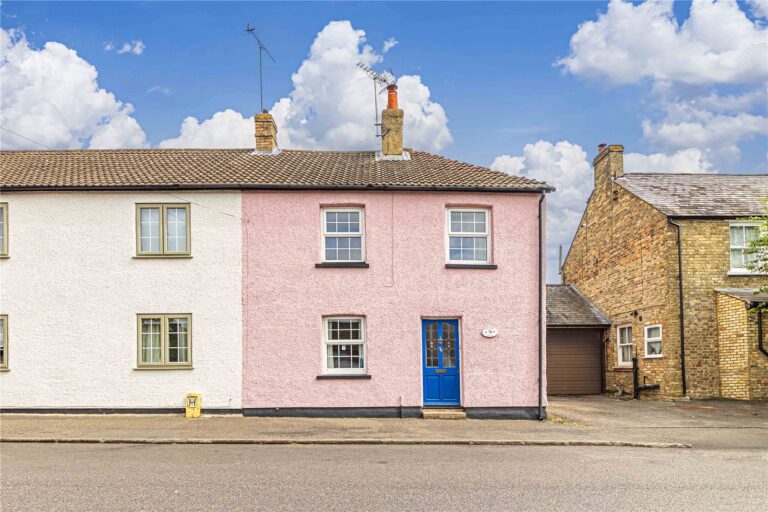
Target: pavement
87,477
594,421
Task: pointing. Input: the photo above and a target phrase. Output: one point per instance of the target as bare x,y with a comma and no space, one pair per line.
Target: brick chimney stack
392,126
266,134
608,164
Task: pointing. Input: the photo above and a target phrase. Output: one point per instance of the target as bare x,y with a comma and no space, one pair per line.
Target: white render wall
72,288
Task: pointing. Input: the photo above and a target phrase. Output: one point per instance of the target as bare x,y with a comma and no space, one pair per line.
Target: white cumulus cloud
225,129
133,47
51,95
686,160
759,8
716,44
389,44
567,167
331,106
719,135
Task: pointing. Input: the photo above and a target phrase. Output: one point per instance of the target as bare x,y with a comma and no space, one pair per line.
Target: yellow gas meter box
194,403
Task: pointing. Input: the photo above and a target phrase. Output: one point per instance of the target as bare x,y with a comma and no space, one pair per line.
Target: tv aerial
262,50
379,80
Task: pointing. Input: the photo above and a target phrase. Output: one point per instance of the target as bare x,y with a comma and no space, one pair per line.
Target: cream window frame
486,234
4,244
328,342
4,362
328,234
619,344
731,247
163,252
659,339
164,341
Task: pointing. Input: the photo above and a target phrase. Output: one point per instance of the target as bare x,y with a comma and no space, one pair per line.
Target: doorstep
443,413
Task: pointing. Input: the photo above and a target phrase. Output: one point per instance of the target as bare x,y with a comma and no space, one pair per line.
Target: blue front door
440,344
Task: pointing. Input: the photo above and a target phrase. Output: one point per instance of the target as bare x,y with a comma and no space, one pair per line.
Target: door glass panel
432,346
449,346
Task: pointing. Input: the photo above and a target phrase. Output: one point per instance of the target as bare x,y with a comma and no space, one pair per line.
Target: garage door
573,362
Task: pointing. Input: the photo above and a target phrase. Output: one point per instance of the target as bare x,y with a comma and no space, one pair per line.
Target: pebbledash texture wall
286,298
72,288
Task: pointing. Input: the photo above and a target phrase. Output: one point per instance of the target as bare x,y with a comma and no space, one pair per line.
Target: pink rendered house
383,283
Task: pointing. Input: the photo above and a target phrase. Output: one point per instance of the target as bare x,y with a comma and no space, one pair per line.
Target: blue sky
495,88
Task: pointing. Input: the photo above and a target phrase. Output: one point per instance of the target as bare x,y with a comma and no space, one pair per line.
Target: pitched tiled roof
567,307
746,294
700,195
233,168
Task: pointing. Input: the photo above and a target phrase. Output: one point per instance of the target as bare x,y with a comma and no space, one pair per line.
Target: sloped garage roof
566,307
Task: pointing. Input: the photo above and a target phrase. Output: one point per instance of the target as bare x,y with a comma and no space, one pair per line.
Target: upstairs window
624,345
3,229
469,235
742,234
164,341
162,230
343,235
653,341
344,341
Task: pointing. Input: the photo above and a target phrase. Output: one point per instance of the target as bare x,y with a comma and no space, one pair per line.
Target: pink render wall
286,298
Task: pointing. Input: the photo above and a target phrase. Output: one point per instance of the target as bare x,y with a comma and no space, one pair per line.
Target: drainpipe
682,312
541,327
760,344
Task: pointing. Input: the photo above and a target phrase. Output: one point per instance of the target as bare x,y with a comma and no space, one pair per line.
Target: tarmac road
252,477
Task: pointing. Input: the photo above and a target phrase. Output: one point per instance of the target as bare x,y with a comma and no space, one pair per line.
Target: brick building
662,256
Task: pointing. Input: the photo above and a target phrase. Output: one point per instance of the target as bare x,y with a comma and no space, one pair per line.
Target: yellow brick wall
733,347
620,260
706,262
624,259
743,368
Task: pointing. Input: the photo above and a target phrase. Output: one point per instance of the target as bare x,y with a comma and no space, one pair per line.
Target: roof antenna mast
262,49
378,79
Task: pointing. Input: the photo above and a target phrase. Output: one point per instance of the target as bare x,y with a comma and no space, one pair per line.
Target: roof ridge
719,174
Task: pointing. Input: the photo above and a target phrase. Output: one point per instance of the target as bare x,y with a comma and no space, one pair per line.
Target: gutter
681,303
541,415
268,186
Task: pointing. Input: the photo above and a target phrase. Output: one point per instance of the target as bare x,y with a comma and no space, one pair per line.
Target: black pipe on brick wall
681,302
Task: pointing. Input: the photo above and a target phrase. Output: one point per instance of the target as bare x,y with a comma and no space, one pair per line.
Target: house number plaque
490,332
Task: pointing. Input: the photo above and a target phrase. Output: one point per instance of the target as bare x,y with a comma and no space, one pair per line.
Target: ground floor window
344,345
624,344
653,341
164,341
3,342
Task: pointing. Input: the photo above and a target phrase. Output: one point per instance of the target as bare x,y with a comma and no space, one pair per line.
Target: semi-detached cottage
276,282
663,255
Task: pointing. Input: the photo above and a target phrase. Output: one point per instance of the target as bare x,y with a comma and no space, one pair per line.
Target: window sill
342,264
622,368
4,256
351,376
653,357
141,368
482,266
162,256
3,370
744,274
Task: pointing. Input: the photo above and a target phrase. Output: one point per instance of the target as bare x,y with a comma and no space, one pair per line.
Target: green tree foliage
759,247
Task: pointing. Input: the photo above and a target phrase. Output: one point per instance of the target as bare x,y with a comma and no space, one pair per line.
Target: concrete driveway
703,423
